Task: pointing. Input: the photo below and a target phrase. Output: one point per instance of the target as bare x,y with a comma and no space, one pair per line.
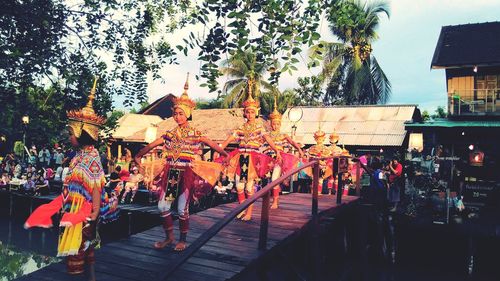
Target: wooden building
465,144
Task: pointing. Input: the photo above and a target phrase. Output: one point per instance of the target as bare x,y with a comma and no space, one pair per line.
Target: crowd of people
37,171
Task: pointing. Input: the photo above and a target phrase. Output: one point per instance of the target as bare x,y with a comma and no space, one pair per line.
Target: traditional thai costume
319,150
185,177
78,235
288,161
247,163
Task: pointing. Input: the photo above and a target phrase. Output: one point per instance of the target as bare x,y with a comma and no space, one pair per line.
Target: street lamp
26,121
295,114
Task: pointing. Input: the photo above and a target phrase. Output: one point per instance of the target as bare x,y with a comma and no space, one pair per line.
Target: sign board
481,194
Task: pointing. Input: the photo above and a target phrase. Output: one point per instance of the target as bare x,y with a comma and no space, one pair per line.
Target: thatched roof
130,123
216,124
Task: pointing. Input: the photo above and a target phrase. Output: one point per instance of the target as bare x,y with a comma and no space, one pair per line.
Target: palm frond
381,84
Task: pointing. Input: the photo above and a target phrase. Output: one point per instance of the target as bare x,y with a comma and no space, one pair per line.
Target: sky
404,50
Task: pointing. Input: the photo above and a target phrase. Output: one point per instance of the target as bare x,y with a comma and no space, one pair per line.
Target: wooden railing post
314,250
315,186
358,178
264,221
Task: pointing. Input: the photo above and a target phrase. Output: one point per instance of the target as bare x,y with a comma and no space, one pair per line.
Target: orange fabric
209,171
69,219
42,216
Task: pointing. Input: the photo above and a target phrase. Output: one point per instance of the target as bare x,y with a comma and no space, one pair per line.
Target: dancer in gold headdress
319,150
247,164
281,141
83,197
185,176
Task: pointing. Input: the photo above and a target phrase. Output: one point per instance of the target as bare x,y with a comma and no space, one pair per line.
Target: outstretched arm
214,146
294,144
146,149
227,142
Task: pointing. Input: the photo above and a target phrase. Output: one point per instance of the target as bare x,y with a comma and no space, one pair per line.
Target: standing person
395,183
83,194
184,176
281,141
247,164
41,158
319,150
47,157
58,158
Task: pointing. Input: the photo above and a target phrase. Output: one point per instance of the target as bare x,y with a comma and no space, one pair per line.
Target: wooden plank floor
226,255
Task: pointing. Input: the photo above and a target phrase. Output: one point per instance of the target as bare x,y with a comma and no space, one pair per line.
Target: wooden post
315,184
119,152
340,187
264,221
358,179
129,215
314,242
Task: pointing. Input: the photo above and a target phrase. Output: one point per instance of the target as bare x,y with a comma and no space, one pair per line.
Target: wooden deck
225,256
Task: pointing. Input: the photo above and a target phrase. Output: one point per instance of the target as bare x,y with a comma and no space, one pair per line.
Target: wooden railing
474,102
264,193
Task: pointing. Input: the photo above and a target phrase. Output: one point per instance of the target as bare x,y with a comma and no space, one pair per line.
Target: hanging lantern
150,135
416,142
476,158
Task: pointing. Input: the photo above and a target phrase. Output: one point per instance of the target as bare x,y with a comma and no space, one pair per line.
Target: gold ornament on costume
86,119
250,102
275,115
184,102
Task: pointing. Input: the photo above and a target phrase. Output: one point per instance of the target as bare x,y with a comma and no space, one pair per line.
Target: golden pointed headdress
345,152
319,133
250,102
334,137
184,102
85,119
275,115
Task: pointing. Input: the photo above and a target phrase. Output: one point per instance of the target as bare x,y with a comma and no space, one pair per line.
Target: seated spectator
64,173
49,174
28,184
124,174
58,174
30,168
114,183
18,170
132,184
41,185
4,181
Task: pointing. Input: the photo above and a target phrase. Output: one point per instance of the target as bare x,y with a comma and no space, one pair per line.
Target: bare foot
247,217
181,246
240,215
163,244
274,205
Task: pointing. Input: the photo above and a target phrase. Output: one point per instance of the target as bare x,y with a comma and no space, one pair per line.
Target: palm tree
284,100
241,69
349,67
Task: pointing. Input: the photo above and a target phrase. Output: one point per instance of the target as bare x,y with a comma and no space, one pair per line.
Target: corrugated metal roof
356,125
